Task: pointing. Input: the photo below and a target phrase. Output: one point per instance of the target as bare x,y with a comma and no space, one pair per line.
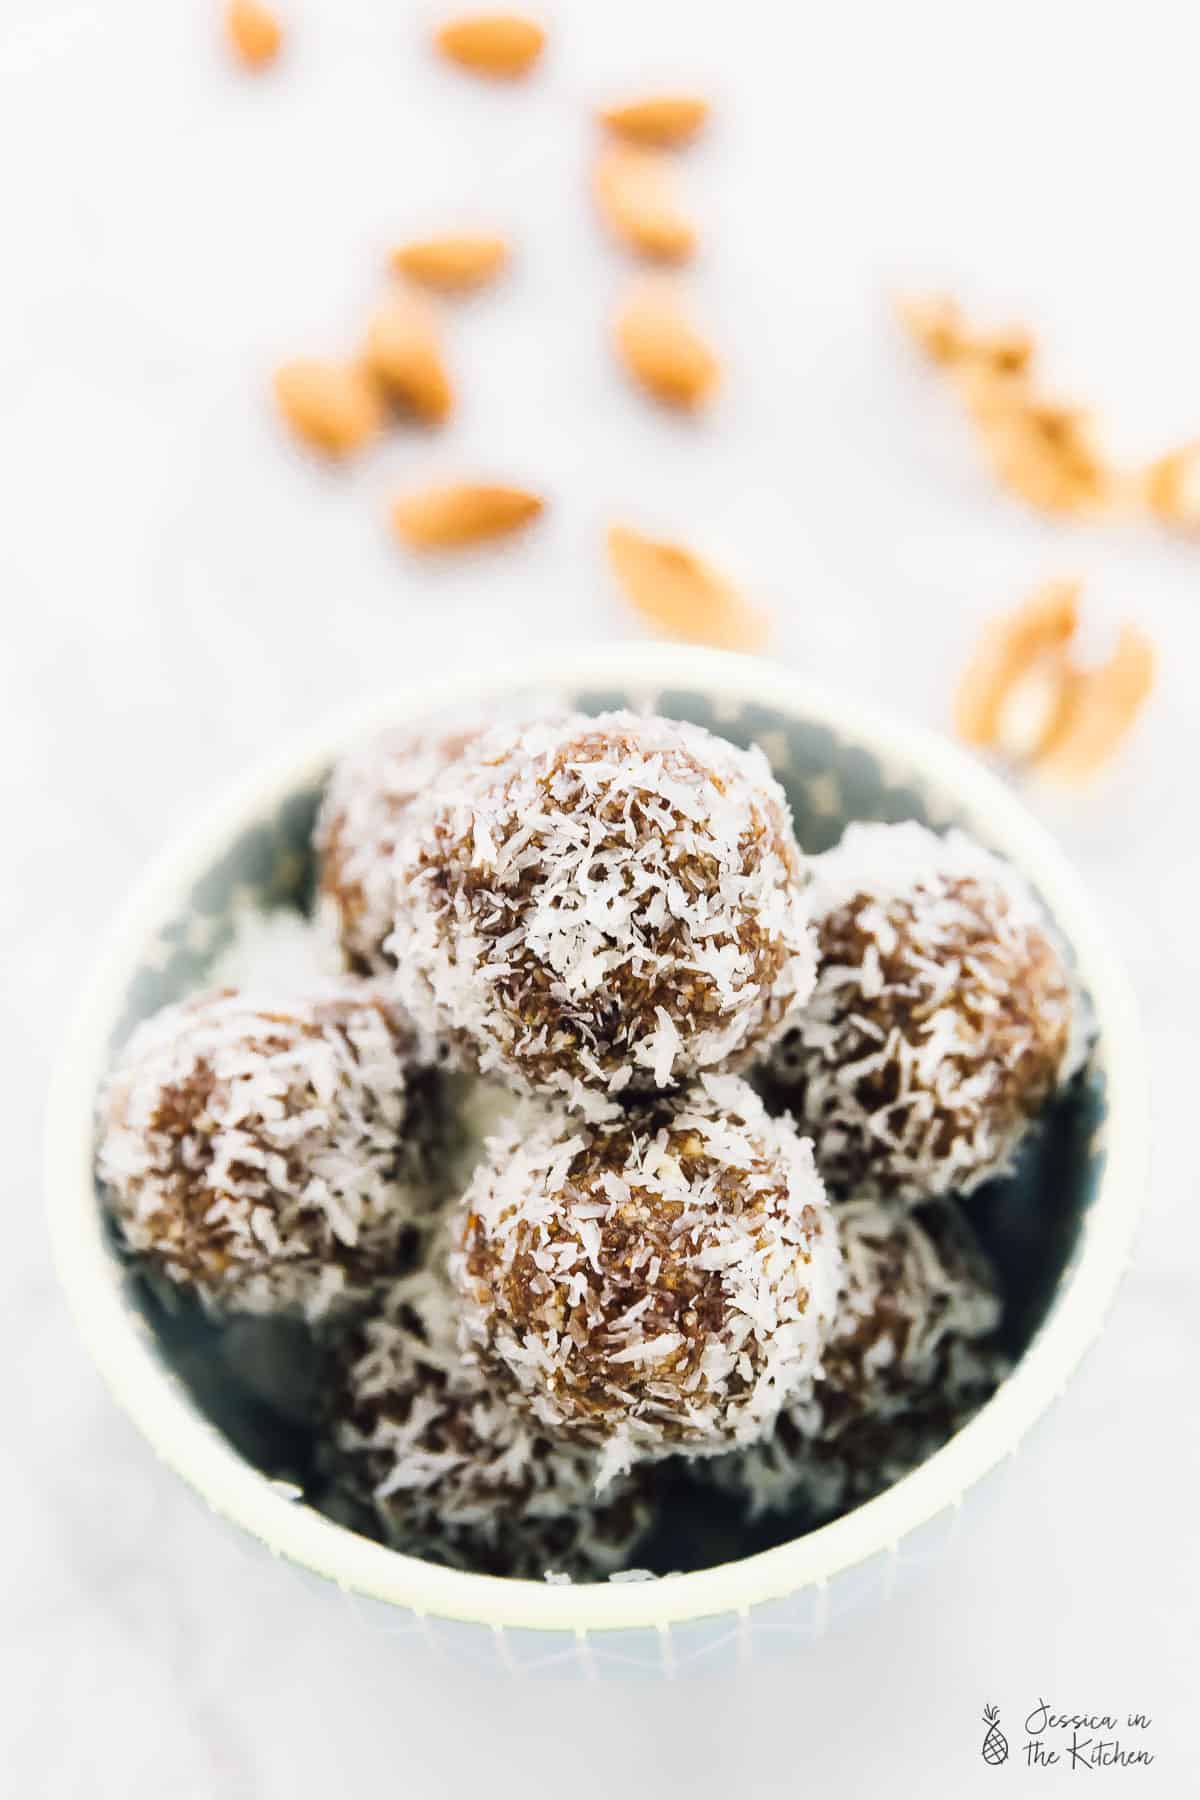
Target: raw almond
447,518
1172,487
1010,650
500,45
254,33
936,324
636,194
333,407
454,264
403,354
663,351
683,595
1100,709
663,121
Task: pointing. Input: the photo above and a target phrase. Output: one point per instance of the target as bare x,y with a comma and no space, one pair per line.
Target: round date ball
362,814
597,904
659,1282
442,1466
912,1354
268,1154
941,1020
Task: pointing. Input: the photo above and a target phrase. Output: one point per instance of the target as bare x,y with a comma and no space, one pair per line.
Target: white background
179,588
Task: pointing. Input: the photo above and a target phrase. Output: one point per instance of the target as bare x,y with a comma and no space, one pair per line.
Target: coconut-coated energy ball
597,904
940,1022
911,1355
443,1466
663,1281
361,816
268,1155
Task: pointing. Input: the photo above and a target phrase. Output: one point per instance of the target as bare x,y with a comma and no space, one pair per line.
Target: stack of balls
733,1098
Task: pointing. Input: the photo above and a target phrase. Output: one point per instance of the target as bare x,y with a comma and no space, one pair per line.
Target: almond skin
501,46
451,265
635,191
449,518
332,407
254,33
404,356
682,595
662,350
660,121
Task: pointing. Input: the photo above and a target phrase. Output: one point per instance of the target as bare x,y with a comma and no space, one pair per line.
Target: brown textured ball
268,1154
444,1467
362,815
661,1281
940,1022
600,903
913,1353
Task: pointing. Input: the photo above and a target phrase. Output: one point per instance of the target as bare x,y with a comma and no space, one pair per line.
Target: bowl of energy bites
600,1162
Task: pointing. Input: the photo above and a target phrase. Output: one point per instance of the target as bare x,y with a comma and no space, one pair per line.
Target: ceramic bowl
1060,1229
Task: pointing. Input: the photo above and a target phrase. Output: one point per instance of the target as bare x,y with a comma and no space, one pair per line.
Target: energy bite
663,1281
941,1020
911,1356
268,1154
601,904
361,816
443,1466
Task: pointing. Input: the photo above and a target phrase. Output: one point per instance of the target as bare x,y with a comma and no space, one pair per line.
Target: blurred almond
254,33
500,45
1100,709
404,355
448,518
662,121
1172,487
662,349
682,595
936,324
333,407
453,264
1011,648
636,192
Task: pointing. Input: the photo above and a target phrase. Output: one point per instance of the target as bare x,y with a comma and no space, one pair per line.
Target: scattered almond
936,324
499,45
454,264
662,349
683,595
1100,709
254,33
1029,642
662,121
404,356
333,407
635,190
1045,452
1022,694
1172,487
447,518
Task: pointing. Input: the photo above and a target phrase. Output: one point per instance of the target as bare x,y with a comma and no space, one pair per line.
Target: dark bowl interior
253,1379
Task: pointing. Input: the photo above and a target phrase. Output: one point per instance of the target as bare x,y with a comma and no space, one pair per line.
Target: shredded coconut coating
592,904
269,1154
445,1467
941,1019
361,817
660,1282
912,1355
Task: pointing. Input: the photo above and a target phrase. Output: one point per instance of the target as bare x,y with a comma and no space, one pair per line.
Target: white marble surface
179,588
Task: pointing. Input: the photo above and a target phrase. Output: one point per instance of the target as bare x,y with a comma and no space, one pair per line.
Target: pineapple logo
995,1744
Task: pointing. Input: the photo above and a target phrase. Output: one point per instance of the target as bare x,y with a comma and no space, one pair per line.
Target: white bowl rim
121,1344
